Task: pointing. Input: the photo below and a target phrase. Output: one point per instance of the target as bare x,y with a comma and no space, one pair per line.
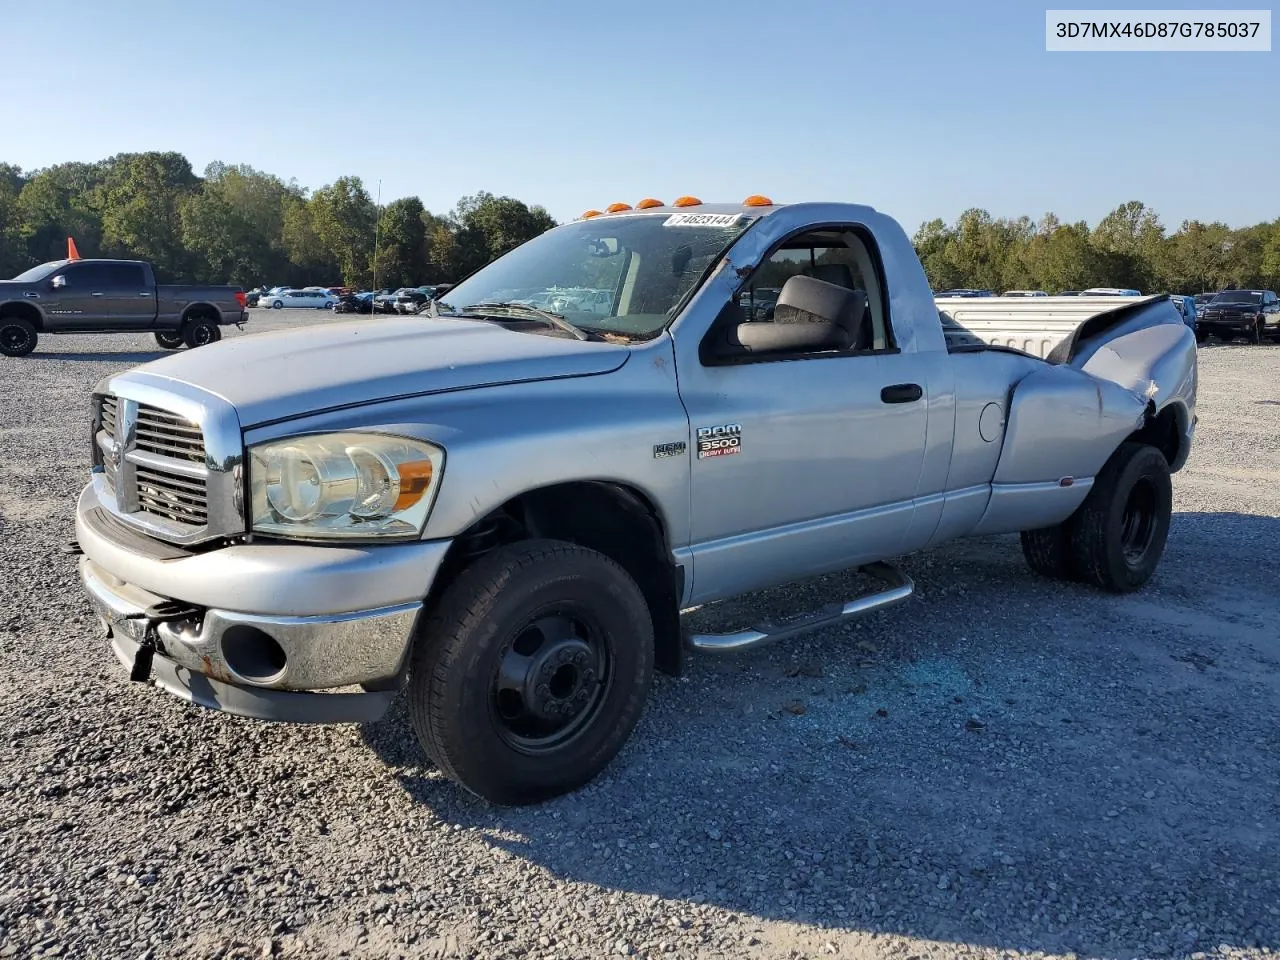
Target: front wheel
17,337
168,340
277,305
533,671
1120,530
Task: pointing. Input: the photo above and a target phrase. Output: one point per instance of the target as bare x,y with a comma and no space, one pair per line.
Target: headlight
343,485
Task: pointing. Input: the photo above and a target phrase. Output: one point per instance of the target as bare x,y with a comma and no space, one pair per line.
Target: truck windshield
37,273
1238,296
615,274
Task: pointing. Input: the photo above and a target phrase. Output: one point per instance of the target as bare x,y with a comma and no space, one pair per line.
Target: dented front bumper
259,630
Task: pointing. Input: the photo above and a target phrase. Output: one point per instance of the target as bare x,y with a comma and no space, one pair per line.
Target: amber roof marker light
756,200
589,214
648,202
687,202
617,207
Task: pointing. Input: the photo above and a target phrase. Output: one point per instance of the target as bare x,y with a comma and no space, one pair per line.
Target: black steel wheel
532,671
17,337
1119,533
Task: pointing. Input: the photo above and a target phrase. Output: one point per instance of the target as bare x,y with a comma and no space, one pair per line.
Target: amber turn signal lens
415,480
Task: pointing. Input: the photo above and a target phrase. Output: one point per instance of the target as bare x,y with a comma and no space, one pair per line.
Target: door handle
96,294
144,294
901,393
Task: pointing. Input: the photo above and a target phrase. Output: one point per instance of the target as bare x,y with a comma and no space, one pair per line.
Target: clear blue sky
920,110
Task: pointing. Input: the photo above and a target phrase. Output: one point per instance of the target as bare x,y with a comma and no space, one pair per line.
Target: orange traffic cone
72,252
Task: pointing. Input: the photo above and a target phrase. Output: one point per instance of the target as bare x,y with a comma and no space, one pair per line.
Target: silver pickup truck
112,296
503,511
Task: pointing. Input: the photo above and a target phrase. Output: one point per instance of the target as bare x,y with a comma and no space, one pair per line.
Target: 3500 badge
719,441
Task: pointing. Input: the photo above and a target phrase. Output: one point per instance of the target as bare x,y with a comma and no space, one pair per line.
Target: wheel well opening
201,311
613,519
24,312
1162,431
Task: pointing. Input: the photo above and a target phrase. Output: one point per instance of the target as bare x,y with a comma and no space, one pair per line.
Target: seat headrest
837,273
808,300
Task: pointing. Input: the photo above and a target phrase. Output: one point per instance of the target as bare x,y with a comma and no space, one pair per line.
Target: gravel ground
1002,766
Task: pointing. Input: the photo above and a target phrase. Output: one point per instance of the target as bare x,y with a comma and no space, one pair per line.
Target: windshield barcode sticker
702,220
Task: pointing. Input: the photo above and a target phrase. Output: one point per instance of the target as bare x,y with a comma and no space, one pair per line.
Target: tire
170,340
200,332
1048,552
1119,532
495,736
277,305
1201,336
1255,333
18,337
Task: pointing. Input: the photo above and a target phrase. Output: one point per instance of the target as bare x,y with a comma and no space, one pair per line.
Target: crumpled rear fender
1067,418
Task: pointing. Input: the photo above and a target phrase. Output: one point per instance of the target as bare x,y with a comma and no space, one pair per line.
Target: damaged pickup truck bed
503,511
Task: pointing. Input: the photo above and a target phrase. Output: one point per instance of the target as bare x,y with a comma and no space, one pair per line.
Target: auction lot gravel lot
1000,766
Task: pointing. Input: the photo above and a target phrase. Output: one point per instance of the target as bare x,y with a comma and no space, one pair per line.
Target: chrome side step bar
898,587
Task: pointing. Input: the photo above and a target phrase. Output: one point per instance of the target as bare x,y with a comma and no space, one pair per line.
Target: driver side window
838,256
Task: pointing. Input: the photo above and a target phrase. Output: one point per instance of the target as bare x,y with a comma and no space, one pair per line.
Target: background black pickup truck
111,296
1252,314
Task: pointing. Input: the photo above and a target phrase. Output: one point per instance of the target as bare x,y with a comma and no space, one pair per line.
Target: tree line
1129,247
239,225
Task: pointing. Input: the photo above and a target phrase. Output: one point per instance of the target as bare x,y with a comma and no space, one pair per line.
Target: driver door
807,464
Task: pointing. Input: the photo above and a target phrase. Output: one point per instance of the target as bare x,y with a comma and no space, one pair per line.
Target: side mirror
58,282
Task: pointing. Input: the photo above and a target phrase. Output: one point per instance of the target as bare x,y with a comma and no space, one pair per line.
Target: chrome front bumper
254,629
314,653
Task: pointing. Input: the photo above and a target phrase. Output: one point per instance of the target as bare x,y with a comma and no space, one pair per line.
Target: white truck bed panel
1034,325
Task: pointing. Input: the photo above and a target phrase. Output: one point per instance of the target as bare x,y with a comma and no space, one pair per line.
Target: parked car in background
1110,292
1069,293
1187,307
112,296
317,299
1251,314
1024,293
1202,299
354,303
965,292
410,301
385,302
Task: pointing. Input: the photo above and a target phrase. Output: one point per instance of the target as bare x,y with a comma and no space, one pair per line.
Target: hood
289,373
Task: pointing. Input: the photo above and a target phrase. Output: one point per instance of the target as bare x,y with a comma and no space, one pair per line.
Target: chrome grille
175,498
108,418
168,435
154,464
